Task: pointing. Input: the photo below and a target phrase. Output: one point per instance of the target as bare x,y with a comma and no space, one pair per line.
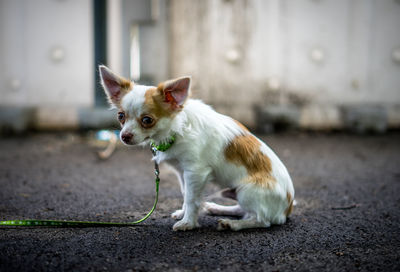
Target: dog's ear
114,86
176,91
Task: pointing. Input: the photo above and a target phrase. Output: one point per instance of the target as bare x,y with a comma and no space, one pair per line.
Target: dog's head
144,112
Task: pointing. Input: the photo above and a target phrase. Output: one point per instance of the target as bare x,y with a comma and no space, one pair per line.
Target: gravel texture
347,216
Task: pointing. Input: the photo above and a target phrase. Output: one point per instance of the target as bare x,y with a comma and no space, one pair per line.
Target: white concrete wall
316,55
46,53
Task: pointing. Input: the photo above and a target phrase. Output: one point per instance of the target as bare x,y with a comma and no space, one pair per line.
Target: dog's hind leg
216,209
251,223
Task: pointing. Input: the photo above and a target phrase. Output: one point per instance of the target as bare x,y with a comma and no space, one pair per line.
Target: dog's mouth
133,143
146,141
128,143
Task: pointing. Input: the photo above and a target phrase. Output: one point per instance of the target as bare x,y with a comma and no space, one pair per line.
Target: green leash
61,223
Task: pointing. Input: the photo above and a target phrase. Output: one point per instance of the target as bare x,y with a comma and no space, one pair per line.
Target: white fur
202,135
199,151
198,155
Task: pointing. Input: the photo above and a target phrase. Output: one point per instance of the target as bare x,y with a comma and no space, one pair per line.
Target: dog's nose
127,137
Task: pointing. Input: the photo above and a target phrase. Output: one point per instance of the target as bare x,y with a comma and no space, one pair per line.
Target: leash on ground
64,223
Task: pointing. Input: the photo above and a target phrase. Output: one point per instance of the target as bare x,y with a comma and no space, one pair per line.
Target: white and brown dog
209,147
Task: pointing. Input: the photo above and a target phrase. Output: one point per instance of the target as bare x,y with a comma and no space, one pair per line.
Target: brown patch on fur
245,150
289,209
155,104
158,105
126,84
241,126
160,87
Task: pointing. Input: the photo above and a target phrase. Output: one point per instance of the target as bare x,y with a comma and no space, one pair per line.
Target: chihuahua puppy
208,147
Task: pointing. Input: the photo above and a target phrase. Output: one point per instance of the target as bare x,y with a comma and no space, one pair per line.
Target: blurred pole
100,46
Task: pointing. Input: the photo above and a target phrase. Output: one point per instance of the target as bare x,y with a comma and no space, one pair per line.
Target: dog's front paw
178,214
184,225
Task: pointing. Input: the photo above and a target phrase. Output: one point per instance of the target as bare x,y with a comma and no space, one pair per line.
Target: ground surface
347,217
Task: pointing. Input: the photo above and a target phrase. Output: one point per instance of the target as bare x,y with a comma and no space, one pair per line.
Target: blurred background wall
315,64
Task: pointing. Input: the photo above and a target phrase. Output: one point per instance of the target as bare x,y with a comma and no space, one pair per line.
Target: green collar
164,146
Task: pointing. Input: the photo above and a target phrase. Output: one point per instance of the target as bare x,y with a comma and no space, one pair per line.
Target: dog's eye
147,121
121,117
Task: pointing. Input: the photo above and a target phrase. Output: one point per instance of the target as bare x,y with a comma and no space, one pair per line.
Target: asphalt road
347,217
